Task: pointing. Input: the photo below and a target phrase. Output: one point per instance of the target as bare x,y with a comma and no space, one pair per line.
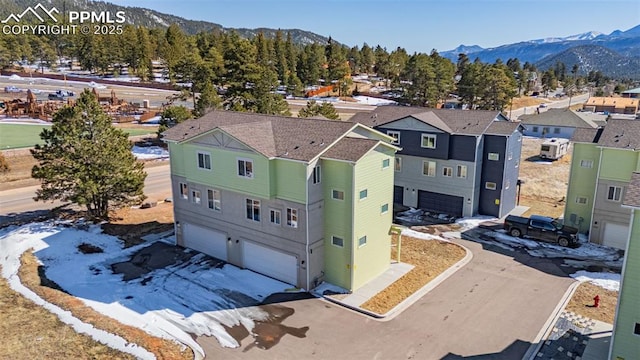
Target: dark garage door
398,194
441,203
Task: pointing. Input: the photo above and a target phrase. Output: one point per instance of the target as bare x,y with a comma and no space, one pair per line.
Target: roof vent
312,142
296,147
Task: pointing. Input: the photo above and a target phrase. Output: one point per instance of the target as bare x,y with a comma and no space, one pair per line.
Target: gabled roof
618,133
585,135
504,128
272,136
463,122
558,117
350,149
632,193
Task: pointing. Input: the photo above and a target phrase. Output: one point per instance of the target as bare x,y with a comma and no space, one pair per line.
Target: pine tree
313,108
87,161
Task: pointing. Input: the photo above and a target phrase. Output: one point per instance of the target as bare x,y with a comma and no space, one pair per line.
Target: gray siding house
457,162
559,123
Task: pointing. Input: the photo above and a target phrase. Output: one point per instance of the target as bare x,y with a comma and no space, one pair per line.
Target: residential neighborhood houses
559,123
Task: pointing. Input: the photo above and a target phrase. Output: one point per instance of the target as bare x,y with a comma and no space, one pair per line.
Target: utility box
554,148
145,104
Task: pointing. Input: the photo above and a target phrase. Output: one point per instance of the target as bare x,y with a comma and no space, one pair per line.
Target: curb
411,299
548,325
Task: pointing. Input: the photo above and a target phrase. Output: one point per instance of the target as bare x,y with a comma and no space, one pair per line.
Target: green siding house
601,167
625,344
299,200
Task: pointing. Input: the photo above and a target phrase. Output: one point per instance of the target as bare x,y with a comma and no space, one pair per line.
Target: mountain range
615,55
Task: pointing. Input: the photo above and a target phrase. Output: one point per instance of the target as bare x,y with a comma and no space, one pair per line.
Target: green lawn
13,136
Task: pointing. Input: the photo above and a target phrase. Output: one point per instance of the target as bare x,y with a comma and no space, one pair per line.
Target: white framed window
461,171
556,130
397,165
385,163
337,194
363,194
337,241
490,185
204,160
384,208
362,241
614,193
447,171
253,209
275,216
317,175
184,191
493,156
586,163
636,329
582,200
395,135
292,217
195,197
429,168
245,168
428,141
213,199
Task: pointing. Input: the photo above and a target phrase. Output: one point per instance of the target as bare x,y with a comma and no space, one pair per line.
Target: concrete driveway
495,307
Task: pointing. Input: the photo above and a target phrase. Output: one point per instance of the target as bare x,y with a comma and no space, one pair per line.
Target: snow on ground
173,302
24,121
373,101
421,235
150,152
609,281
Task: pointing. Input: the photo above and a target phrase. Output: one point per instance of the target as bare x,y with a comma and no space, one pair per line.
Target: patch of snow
15,77
542,162
473,222
609,281
421,235
95,85
150,152
373,101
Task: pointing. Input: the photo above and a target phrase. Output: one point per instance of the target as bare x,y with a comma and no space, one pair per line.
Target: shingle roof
632,193
272,136
464,122
350,149
558,117
621,133
586,135
502,128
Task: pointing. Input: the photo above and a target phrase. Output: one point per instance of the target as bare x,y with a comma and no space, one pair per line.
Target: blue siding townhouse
457,162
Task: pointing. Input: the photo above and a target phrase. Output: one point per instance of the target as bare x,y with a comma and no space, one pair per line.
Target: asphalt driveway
495,306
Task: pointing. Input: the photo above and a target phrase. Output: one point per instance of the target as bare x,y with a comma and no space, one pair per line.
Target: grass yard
42,335
582,300
15,136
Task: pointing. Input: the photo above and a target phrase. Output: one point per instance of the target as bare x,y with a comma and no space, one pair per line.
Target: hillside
151,18
595,58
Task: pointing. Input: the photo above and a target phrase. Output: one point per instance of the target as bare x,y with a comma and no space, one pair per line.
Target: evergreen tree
87,161
367,58
313,109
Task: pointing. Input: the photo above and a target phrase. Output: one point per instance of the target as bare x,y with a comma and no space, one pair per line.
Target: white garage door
210,242
273,263
615,235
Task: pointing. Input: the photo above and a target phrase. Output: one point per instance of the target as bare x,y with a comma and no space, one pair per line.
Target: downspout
306,212
595,192
624,266
353,228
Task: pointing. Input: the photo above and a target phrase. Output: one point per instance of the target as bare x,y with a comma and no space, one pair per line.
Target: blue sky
415,25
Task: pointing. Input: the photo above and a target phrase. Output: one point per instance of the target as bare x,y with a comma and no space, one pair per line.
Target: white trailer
554,148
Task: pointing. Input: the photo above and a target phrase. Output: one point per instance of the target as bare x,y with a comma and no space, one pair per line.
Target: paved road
157,186
558,104
494,306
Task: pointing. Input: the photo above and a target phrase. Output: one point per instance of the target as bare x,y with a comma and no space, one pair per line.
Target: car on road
543,105
541,228
60,95
11,89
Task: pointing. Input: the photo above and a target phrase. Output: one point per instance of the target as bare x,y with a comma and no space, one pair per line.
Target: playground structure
120,110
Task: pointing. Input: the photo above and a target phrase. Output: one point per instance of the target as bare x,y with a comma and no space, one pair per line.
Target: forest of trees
247,71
